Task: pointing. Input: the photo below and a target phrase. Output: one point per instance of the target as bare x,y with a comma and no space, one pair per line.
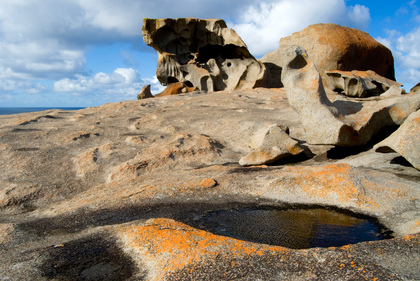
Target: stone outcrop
405,140
152,189
359,83
270,145
145,93
203,54
334,47
112,192
342,123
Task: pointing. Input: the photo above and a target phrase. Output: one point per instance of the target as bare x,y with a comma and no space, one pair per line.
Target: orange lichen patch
168,245
409,237
295,149
206,183
337,182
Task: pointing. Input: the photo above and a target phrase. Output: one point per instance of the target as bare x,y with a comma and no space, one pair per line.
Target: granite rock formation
340,123
359,83
334,47
120,191
405,140
105,191
202,53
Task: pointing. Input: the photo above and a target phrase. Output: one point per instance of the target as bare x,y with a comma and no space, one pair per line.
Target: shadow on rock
89,258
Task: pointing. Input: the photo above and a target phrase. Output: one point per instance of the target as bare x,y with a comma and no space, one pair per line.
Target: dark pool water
292,228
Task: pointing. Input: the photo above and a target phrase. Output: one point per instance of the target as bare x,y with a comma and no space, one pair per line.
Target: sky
80,53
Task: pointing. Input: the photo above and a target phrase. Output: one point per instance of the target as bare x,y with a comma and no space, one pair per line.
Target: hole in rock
296,228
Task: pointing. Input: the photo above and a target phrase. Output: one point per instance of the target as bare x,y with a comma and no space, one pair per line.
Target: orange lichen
175,245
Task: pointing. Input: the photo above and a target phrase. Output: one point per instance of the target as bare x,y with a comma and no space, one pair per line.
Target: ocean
16,110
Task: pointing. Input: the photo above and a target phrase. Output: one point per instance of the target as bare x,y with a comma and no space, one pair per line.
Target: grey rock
405,140
342,123
107,192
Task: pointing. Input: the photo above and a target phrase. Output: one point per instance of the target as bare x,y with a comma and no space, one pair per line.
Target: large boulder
334,47
342,122
204,54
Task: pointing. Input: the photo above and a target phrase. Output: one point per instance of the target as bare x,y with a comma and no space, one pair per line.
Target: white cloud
122,83
263,24
406,51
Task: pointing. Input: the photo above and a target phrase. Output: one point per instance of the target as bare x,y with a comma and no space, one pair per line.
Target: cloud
122,83
406,51
263,24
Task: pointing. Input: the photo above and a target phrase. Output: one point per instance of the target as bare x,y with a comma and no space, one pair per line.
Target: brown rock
415,88
359,83
334,47
175,89
203,53
145,93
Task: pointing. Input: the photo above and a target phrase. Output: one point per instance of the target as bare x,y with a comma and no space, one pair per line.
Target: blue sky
77,53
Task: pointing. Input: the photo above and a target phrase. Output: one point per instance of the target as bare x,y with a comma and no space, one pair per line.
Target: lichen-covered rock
203,53
117,192
359,83
334,47
405,140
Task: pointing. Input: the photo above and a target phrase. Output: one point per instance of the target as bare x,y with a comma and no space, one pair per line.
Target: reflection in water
297,229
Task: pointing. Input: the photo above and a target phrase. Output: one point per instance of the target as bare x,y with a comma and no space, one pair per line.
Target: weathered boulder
322,122
269,146
334,47
344,122
405,140
145,93
359,83
204,53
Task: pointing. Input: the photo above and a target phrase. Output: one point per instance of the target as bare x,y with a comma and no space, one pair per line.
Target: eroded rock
333,47
202,53
62,217
359,83
405,140
342,123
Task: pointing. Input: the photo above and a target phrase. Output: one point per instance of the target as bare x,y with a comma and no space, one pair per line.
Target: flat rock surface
109,193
